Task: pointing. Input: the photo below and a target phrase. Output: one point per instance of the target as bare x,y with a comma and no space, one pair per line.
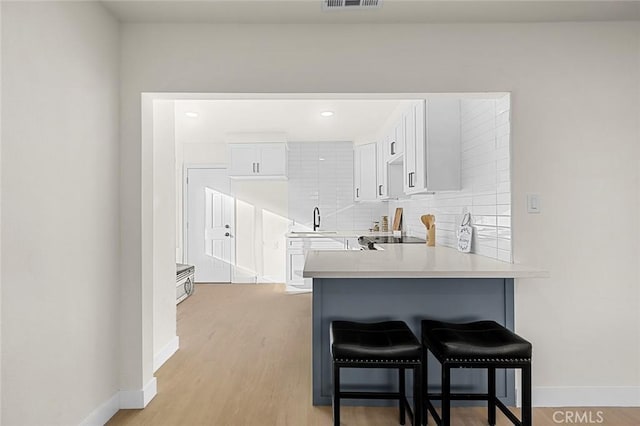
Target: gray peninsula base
409,300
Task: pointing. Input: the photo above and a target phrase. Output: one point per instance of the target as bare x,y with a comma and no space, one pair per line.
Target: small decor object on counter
376,226
429,222
465,234
397,220
385,223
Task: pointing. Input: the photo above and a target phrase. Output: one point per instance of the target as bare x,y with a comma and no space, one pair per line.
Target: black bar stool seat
389,344
480,344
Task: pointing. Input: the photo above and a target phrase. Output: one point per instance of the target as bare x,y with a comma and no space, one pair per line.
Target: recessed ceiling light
321,159
326,113
191,114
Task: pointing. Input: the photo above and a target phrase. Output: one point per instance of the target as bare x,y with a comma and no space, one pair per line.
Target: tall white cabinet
432,146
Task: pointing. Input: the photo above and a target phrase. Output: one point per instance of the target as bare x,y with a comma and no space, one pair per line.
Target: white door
210,225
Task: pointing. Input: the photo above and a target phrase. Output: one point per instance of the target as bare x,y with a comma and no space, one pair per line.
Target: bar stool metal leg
403,395
491,371
336,395
446,395
526,396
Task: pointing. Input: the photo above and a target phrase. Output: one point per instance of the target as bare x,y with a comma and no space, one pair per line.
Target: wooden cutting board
397,220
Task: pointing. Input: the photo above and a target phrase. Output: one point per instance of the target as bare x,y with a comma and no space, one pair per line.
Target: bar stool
388,344
481,344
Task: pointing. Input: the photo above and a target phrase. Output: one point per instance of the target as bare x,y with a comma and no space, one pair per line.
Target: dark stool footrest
480,344
389,344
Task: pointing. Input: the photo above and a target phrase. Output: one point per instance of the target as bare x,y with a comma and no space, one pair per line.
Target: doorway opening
193,203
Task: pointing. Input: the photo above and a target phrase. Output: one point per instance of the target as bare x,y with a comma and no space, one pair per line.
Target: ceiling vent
351,4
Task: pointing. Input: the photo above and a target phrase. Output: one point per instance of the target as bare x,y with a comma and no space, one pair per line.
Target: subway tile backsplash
486,186
321,174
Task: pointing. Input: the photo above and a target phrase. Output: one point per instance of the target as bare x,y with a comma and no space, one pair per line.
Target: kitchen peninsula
408,282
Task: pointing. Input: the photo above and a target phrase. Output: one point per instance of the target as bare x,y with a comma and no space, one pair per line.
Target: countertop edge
434,274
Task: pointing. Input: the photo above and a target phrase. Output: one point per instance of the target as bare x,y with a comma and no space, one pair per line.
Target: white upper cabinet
365,172
395,141
389,174
383,186
260,160
432,146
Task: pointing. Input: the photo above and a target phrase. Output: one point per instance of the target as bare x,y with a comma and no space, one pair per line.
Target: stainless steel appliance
184,281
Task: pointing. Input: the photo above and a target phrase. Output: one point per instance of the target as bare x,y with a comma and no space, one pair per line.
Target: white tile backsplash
328,184
486,186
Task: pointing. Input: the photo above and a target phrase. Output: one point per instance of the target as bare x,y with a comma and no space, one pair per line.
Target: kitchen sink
315,232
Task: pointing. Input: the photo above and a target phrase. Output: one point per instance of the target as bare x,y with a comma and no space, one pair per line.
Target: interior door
210,225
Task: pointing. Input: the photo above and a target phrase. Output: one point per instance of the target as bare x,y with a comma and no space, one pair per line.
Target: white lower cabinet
297,249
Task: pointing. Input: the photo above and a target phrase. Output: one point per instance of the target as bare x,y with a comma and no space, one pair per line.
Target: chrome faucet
316,226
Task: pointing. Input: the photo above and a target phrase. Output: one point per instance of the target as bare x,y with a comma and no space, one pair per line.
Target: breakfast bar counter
408,282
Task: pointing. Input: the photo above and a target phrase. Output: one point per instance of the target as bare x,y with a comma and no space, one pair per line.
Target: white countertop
411,261
336,234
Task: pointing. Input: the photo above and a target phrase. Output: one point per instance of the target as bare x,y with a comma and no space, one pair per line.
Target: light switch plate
533,203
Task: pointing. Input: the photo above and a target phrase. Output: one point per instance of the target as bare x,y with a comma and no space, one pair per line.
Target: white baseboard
575,396
104,412
139,398
294,290
165,353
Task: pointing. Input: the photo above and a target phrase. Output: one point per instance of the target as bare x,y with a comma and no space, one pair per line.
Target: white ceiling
299,120
392,11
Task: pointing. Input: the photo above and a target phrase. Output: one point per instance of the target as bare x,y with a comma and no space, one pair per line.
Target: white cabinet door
242,159
264,160
408,119
396,145
365,169
297,249
357,166
272,160
296,266
432,147
381,192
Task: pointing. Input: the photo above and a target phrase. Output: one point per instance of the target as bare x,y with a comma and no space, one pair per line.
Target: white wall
60,233
0,217
485,188
164,220
575,110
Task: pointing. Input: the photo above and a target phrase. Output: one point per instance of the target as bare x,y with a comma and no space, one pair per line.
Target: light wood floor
245,359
